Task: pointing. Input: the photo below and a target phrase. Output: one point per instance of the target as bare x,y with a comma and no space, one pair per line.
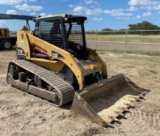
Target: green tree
106,29
145,25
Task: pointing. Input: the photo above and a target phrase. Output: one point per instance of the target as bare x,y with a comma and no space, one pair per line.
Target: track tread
65,90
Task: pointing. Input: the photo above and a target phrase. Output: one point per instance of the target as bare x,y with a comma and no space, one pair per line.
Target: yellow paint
26,41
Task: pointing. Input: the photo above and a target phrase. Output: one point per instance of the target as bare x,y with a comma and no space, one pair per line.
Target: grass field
139,44
122,38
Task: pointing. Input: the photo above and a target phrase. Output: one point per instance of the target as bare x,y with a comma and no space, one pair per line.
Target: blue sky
114,14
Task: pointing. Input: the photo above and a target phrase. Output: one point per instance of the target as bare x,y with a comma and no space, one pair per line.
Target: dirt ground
24,115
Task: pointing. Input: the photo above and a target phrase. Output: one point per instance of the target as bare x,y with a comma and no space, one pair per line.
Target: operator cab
64,31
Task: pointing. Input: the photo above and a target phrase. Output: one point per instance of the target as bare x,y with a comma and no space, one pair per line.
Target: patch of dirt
24,114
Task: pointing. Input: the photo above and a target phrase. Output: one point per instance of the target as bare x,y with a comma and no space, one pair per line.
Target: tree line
143,28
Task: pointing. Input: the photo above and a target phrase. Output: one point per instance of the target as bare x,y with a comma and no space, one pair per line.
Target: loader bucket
103,102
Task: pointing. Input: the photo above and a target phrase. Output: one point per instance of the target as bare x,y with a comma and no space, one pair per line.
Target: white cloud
112,11
14,2
10,2
89,7
149,5
11,12
32,0
138,16
88,1
84,10
27,7
142,2
117,13
146,14
126,18
95,11
97,19
133,8
145,5
71,6
156,7
79,9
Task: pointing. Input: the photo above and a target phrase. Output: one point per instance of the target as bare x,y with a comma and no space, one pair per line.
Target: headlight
20,51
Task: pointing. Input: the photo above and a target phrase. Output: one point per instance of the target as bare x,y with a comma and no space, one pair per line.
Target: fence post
125,43
96,37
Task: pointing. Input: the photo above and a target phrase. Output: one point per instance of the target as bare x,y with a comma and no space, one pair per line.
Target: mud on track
23,114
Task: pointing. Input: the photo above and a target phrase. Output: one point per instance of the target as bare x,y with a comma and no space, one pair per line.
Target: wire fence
139,41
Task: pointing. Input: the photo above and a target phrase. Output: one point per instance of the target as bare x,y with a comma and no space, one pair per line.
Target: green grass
143,50
122,37
136,48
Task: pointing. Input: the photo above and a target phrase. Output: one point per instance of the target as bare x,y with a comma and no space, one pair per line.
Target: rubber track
65,90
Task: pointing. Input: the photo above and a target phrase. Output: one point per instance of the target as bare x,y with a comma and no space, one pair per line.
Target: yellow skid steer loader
54,63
